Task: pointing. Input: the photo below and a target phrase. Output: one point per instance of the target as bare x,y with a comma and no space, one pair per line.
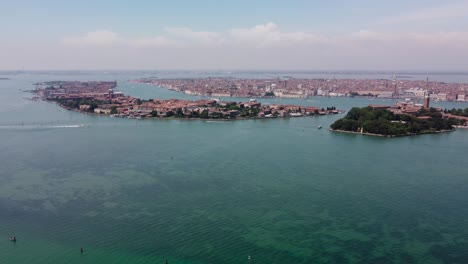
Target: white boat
319,127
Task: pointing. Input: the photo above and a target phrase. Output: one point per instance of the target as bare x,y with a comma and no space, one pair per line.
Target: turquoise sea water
281,191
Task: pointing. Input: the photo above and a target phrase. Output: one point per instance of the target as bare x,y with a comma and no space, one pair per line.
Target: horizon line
345,71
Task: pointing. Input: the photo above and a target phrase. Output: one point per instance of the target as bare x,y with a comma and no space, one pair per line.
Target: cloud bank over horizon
267,46
427,39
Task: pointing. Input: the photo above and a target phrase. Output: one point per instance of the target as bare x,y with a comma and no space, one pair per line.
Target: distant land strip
99,97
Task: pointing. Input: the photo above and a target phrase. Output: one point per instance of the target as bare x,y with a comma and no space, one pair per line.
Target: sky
311,35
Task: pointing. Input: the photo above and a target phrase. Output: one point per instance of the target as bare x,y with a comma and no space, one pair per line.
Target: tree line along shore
387,123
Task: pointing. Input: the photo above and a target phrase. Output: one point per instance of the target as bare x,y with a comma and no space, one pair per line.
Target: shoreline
177,118
98,98
390,136
303,98
177,85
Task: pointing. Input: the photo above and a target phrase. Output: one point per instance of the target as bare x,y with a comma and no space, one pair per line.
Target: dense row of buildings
70,88
302,88
100,98
412,108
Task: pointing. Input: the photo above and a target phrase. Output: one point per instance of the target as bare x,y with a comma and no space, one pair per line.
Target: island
98,97
289,87
394,121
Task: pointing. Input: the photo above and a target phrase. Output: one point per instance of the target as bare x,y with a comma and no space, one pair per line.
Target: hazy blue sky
307,35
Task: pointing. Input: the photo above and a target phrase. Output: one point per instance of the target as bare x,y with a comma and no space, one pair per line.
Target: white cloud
263,34
176,36
98,37
159,41
197,36
454,10
270,33
265,46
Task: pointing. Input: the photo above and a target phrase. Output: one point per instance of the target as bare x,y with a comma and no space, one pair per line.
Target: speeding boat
12,238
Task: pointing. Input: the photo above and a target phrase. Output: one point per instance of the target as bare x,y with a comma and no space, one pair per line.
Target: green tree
204,114
113,110
383,122
92,106
179,113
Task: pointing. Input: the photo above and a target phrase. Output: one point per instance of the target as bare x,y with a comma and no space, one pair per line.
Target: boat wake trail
39,127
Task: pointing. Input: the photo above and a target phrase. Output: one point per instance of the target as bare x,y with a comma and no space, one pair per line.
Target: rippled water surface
281,191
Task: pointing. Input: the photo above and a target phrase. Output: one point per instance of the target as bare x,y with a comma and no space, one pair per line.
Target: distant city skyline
239,35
